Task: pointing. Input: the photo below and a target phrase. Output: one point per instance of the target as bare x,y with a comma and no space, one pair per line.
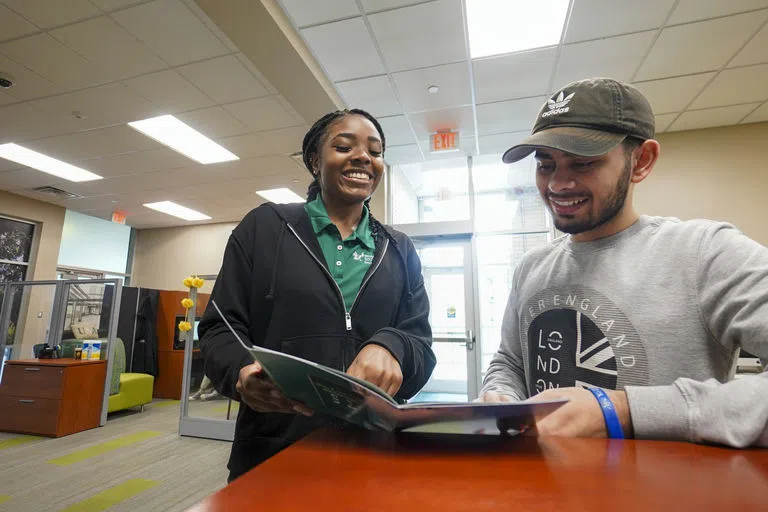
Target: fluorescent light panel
183,138
506,26
281,195
41,162
182,212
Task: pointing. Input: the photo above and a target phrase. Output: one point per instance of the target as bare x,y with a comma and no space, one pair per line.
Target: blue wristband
612,423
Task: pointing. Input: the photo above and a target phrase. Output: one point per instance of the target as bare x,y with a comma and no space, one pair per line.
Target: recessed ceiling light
281,196
183,138
182,212
41,162
505,26
433,89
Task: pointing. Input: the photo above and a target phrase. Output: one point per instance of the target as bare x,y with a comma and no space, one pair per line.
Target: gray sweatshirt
659,310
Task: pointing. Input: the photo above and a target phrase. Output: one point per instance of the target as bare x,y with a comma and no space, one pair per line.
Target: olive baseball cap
588,118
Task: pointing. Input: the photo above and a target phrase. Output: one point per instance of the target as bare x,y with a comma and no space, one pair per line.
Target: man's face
583,193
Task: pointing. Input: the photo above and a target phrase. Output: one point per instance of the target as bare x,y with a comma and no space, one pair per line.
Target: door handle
470,340
26,401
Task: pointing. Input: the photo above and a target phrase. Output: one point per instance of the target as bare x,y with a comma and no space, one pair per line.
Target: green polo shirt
348,260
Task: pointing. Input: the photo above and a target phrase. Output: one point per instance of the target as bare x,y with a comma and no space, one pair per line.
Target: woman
324,281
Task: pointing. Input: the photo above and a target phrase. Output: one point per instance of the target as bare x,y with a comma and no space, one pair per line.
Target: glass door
447,269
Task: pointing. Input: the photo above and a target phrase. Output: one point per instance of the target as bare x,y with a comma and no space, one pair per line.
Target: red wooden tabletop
362,470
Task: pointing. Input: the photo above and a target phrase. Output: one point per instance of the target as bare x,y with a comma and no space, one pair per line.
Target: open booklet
332,392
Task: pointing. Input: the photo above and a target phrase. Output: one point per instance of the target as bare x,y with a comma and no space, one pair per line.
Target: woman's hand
259,393
378,366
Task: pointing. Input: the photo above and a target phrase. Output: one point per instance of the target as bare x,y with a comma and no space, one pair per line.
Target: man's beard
613,205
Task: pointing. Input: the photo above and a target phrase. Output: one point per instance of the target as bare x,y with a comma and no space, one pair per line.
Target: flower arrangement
190,282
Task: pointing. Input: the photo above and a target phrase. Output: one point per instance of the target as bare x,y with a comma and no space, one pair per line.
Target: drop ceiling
252,74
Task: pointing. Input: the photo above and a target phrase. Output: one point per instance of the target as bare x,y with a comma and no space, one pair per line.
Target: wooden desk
51,397
365,471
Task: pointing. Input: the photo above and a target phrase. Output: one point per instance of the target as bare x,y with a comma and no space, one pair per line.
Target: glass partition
70,315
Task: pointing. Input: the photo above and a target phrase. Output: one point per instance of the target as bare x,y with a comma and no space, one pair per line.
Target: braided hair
314,139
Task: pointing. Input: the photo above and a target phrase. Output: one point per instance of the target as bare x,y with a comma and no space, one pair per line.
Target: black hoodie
275,289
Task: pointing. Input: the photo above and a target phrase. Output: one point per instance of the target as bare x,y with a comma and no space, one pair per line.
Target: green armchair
126,390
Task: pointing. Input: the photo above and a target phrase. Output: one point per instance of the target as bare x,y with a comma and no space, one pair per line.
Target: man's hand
582,416
494,396
260,394
378,366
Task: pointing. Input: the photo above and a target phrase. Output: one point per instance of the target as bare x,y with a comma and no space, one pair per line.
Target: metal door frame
470,306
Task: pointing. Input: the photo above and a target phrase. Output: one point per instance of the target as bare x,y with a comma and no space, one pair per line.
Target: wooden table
361,471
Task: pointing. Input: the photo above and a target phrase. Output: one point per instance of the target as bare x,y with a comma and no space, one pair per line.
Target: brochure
332,392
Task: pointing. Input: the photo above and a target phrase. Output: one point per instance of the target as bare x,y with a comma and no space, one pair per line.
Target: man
652,310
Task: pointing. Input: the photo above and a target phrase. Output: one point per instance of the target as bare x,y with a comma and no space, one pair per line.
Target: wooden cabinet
51,397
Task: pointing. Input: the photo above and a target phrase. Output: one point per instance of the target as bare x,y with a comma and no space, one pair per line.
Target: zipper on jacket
365,281
347,314
347,317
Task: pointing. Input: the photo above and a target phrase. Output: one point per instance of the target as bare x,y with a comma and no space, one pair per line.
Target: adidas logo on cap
558,105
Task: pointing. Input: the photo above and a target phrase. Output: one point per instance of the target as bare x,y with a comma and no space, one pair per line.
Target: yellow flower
185,326
186,303
198,282
189,281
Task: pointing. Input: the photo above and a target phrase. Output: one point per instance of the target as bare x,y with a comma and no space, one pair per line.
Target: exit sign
118,216
444,141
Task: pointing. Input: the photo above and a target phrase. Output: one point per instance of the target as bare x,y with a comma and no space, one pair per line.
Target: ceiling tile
52,60
6,98
261,114
374,95
593,19
421,35
101,106
139,162
255,72
754,52
12,25
738,85
396,130
213,122
27,84
114,140
27,178
224,79
508,116
275,142
452,79
306,13
457,119
759,115
721,116
615,57
673,94
169,91
407,154
380,5
698,47
516,75
500,142
663,121
172,31
694,10
47,14
113,5
352,56
104,42
193,6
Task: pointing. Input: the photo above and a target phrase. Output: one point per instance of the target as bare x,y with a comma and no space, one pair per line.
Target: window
16,238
